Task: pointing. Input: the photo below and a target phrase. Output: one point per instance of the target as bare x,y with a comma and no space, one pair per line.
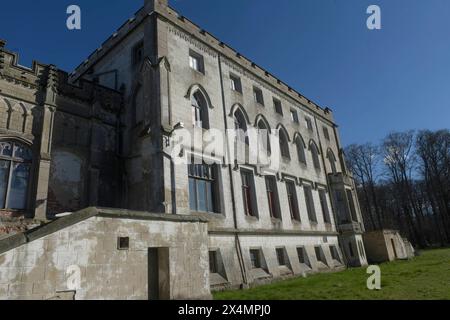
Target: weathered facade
101,137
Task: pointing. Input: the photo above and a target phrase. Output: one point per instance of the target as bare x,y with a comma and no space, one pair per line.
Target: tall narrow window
310,204
332,160
272,197
138,54
281,257
15,164
324,205
213,265
248,193
202,187
255,258
326,134
292,200
300,150
242,141
199,111
351,203
284,145
315,155
309,124
264,137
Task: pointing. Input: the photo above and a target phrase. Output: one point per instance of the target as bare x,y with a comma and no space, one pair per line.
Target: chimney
2,43
155,5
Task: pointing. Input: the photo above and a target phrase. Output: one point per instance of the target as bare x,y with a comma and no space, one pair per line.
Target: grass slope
425,277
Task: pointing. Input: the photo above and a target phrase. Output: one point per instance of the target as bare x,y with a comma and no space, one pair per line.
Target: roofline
172,16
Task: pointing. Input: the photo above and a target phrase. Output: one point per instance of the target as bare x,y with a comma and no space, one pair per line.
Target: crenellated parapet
42,84
183,27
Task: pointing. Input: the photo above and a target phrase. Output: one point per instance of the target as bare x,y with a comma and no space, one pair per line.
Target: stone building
100,137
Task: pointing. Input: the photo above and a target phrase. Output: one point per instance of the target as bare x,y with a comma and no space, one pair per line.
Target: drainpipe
230,172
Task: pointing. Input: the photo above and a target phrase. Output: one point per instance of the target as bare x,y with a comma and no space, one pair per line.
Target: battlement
165,12
40,76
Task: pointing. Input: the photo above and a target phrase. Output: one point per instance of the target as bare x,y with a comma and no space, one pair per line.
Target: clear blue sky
397,78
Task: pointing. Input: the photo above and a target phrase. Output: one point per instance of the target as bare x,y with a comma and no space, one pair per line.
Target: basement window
255,258
320,256
303,257
335,254
281,257
123,243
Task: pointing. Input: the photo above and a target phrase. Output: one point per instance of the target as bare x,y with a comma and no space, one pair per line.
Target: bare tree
363,160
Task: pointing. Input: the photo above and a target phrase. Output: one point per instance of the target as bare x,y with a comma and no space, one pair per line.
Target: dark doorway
158,274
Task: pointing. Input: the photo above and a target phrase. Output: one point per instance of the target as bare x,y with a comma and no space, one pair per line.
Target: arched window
138,106
300,150
241,126
264,136
332,160
284,146
315,155
199,110
15,163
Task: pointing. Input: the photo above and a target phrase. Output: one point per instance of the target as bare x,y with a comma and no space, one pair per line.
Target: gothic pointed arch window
199,110
264,136
242,141
300,145
332,160
315,154
284,144
15,165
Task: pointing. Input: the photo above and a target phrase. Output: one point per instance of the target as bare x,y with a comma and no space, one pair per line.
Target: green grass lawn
425,277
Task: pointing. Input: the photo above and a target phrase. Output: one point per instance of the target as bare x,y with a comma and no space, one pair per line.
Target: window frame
11,161
294,116
272,197
258,96
211,179
196,62
293,200
324,206
309,200
249,193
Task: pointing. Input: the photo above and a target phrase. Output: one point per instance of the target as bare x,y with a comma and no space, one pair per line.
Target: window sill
260,273
275,220
251,218
284,270
195,71
208,214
